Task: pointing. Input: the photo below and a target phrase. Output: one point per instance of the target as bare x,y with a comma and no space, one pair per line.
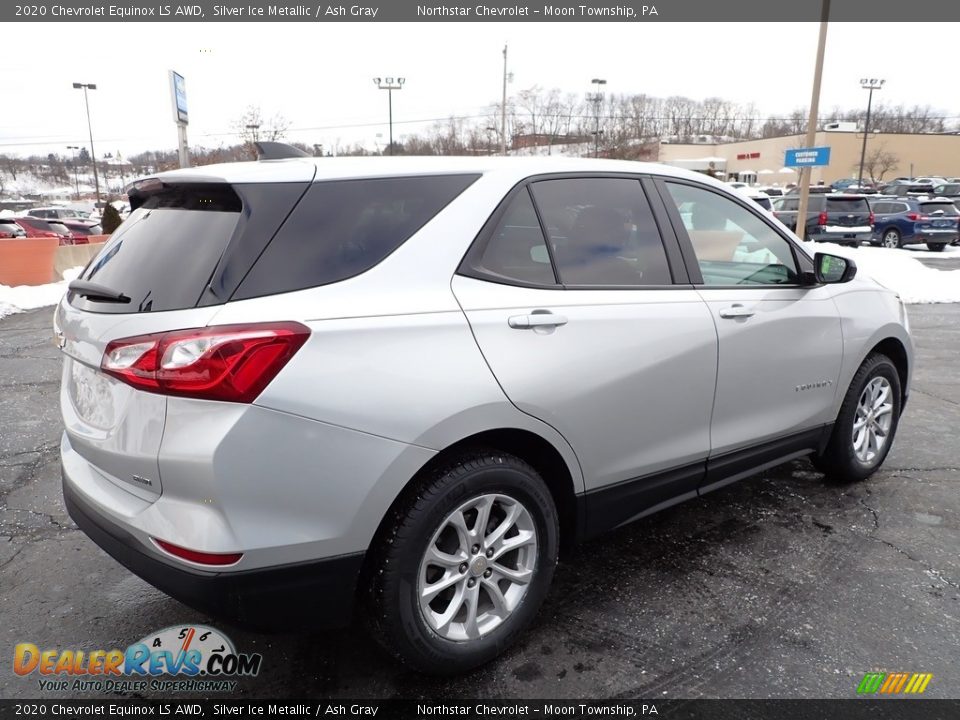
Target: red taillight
822,219
913,216
233,363
871,218
195,556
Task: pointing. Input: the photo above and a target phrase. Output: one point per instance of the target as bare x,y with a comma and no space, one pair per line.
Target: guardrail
38,261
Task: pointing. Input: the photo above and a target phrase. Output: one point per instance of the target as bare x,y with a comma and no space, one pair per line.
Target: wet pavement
778,586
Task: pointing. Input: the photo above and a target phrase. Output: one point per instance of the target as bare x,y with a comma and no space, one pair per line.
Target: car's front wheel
867,422
465,564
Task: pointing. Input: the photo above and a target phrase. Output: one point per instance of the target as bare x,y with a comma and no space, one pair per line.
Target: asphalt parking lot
779,586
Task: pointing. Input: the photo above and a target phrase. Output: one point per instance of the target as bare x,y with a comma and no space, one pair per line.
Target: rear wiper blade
97,292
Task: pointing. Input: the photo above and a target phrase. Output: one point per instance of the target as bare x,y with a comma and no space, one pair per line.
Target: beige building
916,156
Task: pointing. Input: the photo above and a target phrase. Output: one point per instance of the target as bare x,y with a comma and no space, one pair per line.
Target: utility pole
503,106
93,154
870,84
389,85
597,100
812,121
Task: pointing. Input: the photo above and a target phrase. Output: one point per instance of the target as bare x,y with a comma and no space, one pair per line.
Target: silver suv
294,387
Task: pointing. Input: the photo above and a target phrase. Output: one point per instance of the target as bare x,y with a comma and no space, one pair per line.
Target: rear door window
340,229
602,232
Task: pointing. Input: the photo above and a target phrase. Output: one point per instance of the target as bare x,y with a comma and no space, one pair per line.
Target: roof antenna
277,151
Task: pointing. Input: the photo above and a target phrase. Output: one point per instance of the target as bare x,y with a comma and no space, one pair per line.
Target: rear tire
866,425
936,247
435,538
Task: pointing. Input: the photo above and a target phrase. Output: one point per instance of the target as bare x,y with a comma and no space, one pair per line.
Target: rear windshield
343,228
847,205
58,227
162,256
947,208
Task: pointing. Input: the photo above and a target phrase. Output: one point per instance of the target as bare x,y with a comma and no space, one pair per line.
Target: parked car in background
814,190
56,213
82,229
760,198
10,229
840,218
912,220
771,191
468,362
38,227
851,185
950,190
906,189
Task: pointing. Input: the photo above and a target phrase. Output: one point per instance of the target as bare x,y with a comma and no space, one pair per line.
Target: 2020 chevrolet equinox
295,386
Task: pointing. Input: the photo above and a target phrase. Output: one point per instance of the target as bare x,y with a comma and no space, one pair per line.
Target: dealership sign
807,157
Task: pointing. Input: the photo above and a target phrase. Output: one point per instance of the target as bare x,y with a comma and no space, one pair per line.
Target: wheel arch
533,448
894,349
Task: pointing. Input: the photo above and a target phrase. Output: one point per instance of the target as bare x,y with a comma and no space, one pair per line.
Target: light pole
73,161
596,99
389,84
870,84
93,154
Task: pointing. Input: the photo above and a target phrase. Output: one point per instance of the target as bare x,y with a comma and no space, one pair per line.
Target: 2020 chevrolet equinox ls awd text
297,385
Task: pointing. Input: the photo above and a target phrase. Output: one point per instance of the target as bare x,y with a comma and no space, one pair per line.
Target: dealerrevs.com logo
187,658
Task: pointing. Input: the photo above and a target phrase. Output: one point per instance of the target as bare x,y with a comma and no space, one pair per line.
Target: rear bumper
858,237
316,595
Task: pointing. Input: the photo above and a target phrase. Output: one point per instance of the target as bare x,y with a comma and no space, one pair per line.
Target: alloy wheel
891,239
873,419
477,567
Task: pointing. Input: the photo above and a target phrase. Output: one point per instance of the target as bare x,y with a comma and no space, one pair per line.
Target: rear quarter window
342,228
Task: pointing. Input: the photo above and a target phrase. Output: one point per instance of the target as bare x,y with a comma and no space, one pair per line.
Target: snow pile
900,270
28,297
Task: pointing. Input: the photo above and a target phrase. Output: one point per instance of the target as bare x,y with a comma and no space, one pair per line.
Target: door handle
736,311
535,320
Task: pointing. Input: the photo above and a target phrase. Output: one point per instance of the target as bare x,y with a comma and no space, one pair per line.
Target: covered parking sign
807,157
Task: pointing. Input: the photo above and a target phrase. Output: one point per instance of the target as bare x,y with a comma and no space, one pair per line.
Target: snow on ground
900,270
28,297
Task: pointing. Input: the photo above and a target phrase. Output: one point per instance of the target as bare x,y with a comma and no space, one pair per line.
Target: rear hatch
848,212
179,255
938,217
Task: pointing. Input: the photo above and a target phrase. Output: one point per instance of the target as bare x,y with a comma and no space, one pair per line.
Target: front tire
867,423
891,238
464,565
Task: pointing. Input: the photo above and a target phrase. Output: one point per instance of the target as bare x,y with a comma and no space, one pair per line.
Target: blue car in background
910,220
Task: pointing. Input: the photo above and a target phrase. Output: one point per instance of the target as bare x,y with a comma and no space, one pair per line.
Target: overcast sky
319,76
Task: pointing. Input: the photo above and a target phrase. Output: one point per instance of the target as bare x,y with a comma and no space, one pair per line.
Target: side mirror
833,268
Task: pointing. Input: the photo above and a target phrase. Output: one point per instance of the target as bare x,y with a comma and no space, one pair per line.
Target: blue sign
807,157
178,88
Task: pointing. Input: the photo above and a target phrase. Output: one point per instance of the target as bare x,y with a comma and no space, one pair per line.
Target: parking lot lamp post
597,100
73,161
93,154
870,84
390,84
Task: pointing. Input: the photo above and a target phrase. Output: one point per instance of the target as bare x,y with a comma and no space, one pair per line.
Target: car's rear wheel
464,564
936,247
891,238
867,423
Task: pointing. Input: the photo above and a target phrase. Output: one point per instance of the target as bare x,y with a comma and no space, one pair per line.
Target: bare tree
253,127
879,162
